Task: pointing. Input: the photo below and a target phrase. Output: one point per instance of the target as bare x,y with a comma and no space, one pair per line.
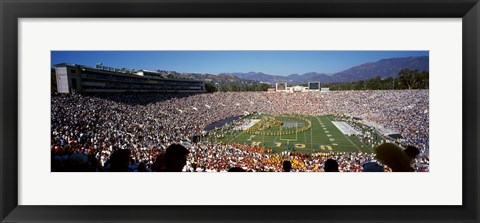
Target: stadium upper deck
79,78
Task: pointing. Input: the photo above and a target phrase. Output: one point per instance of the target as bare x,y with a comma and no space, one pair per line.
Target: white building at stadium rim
74,78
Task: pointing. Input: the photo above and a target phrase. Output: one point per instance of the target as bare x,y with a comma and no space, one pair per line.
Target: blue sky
215,62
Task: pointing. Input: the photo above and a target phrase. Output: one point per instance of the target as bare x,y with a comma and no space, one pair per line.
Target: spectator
287,166
236,169
175,158
392,155
120,160
331,165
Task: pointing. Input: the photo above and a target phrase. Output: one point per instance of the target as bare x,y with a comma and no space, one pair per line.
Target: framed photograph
327,111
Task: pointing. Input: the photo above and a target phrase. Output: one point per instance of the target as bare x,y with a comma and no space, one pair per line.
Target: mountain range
383,68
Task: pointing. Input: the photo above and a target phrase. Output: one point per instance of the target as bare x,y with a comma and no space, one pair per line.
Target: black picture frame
11,11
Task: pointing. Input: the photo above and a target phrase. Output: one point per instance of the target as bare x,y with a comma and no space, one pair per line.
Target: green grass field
323,136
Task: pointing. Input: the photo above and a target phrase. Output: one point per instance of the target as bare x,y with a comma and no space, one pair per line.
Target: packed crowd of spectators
89,129
212,157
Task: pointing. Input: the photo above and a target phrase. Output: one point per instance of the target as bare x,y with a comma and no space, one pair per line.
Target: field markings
311,136
347,137
329,136
236,136
322,147
305,138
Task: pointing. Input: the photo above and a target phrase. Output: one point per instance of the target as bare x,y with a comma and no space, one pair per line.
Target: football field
321,136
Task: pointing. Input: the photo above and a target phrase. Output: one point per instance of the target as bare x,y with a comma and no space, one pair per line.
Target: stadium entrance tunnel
222,122
395,136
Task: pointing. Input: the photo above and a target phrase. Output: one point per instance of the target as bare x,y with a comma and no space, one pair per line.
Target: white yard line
236,137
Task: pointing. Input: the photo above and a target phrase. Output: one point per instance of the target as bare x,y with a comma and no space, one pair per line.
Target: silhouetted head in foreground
331,165
287,166
236,169
394,157
412,152
175,158
120,160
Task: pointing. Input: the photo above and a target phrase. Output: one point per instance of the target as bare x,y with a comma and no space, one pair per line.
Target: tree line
406,79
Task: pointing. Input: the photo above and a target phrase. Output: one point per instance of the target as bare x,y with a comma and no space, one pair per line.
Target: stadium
252,131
